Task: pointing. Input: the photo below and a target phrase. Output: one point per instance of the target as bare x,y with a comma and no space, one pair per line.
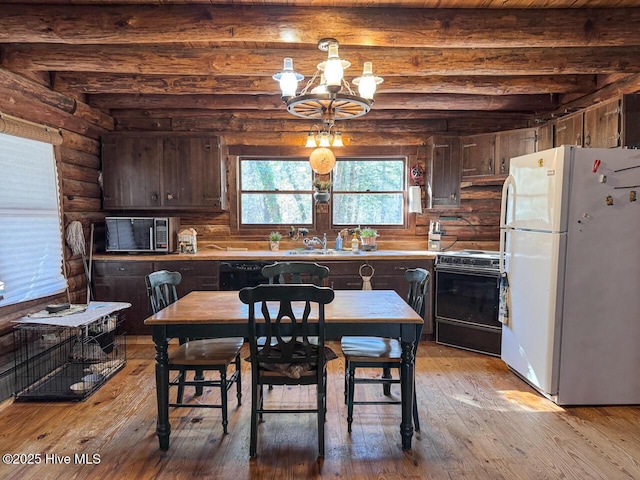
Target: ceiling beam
265,62
530,103
430,28
94,83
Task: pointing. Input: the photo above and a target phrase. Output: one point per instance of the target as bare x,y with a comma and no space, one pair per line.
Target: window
31,250
368,192
275,192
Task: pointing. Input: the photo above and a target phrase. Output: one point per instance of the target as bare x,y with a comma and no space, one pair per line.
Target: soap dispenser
354,243
339,242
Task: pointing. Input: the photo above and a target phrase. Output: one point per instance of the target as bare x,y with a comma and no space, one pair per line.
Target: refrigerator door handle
509,182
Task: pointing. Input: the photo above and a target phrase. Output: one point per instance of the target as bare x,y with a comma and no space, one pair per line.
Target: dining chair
296,312
385,353
196,355
296,272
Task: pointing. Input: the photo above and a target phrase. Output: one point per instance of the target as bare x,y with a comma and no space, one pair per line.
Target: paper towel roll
415,199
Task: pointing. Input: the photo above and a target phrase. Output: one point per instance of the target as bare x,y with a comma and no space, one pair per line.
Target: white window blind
31,250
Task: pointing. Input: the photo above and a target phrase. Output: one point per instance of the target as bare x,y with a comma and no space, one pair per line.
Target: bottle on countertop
354,243
339,243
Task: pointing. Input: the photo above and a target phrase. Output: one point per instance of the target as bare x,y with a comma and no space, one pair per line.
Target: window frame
240,192
405,209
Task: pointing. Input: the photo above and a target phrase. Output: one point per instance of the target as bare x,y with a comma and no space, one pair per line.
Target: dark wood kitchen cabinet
568,130
387,275
168,172
513,143
613,123
443,154
124,281
478,154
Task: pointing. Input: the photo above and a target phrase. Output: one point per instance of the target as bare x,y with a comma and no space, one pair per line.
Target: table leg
406,375
163,427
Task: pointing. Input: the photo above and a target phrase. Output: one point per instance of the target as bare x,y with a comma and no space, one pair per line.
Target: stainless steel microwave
141,234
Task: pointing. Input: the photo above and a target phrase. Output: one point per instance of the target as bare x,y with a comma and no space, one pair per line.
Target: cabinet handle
615,111
154,197
561,129
587,140
207,285
489,167
469,145
170,196
441,146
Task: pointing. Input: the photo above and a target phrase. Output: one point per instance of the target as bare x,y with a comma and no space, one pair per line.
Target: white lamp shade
415,199
337,140
324,140
311,141
288,79
333,70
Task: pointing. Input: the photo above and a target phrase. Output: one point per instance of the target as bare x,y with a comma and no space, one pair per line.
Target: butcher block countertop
212,254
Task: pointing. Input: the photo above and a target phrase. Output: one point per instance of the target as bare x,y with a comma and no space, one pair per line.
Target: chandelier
327,96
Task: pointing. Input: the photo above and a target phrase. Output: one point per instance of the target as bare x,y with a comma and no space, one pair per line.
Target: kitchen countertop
210,254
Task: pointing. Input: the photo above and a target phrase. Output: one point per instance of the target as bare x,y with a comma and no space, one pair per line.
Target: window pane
368,175
275,175
276,208
368,209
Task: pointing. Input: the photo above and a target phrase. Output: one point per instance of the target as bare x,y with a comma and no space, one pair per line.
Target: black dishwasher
235,275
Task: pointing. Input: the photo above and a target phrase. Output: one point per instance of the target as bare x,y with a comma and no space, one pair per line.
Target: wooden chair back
293,315
161,289
418,279
296,272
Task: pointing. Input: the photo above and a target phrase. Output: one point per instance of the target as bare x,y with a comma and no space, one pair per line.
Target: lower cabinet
383,275
123,281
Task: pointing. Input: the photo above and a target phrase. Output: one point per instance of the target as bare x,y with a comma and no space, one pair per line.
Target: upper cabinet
513,143
568,130
168,172
478,154
444,160
613,123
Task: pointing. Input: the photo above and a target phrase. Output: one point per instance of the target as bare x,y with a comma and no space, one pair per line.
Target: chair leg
346,382
181,380
351,389
223,398
416,420
254,418
321,418
238,380
199,376
386,387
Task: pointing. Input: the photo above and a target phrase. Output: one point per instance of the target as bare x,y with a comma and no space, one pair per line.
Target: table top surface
348,306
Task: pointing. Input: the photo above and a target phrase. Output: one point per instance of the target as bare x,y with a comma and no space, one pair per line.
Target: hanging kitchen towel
503,309
366,279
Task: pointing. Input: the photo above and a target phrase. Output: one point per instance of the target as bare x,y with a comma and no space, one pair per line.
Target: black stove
470,259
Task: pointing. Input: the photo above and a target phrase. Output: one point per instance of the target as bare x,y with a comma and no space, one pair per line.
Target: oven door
467,295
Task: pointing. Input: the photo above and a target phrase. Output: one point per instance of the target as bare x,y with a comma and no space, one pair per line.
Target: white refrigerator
570,255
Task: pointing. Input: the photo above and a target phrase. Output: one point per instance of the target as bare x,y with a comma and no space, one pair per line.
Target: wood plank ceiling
449,66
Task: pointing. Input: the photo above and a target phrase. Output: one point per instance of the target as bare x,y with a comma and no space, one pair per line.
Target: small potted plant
274,240
321,194
368,238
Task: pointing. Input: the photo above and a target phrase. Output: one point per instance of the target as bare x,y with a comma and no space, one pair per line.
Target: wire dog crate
58,362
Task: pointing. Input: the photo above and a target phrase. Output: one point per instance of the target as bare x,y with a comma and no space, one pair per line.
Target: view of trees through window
368,192
364,192
276,192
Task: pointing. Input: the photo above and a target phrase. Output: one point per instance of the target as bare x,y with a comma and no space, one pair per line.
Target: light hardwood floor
478,420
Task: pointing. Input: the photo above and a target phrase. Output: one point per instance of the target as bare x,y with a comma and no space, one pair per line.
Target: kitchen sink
323,252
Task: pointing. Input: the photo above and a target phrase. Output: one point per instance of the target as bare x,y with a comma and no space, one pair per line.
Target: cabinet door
602,125
445,170
196,274
130,172
478,155
568,130
124,282
545,137
513,144
191,172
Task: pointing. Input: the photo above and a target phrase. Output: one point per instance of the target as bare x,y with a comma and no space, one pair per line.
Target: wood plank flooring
478,421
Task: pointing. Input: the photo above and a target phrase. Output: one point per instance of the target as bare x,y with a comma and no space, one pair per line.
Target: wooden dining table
219,314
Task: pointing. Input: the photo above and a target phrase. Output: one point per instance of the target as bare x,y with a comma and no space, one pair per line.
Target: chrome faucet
316,241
